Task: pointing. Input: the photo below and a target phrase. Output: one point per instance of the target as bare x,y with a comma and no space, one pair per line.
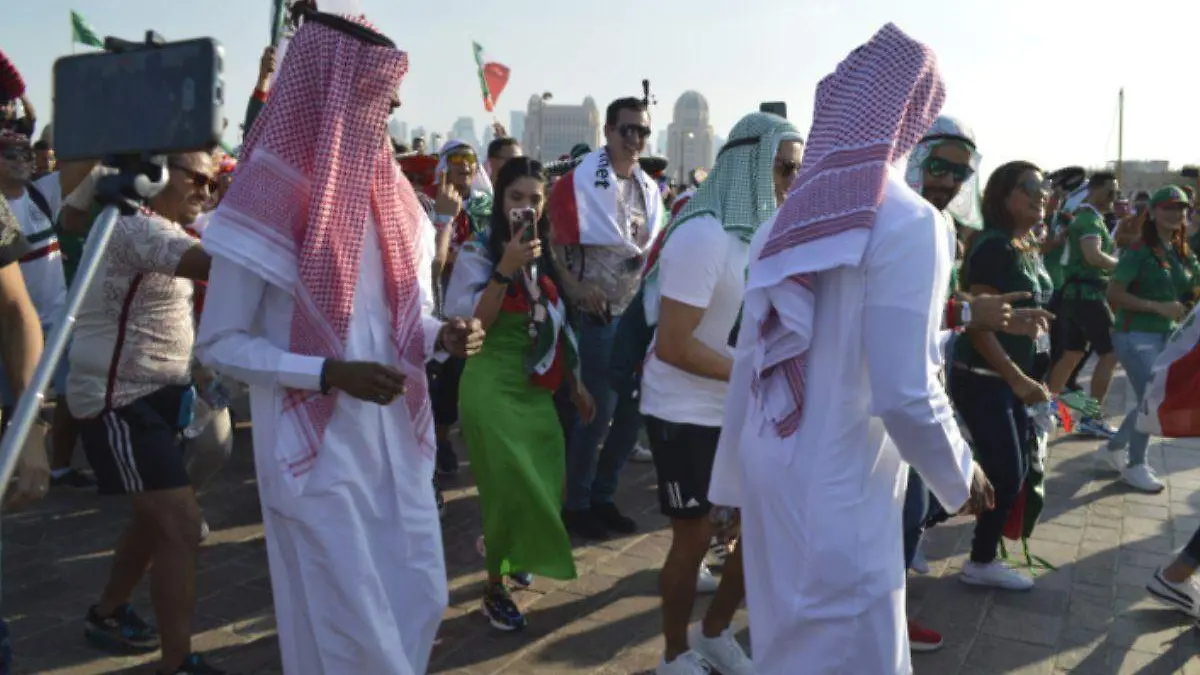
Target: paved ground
1091,616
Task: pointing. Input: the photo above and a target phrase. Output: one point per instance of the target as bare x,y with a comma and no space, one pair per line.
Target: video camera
129,106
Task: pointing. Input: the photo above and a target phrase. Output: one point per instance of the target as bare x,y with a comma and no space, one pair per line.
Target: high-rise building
516,125
489,134
398,131
689,136
552,130
435,143
464,130
660,144
419,132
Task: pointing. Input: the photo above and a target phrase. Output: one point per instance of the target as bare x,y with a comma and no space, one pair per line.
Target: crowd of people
831,342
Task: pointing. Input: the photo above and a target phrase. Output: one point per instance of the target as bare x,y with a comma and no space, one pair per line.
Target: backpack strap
39,200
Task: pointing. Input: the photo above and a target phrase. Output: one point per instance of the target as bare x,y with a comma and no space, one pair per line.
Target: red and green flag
493,77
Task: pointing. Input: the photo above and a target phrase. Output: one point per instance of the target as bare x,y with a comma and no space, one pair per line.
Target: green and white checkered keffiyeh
739,191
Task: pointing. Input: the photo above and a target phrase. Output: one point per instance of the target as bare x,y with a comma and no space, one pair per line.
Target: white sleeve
901,326
430,323
227,342
472,270
692,261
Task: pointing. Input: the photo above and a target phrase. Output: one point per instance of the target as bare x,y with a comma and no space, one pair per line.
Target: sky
1037,80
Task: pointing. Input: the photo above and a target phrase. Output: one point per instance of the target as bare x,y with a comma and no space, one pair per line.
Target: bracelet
500,278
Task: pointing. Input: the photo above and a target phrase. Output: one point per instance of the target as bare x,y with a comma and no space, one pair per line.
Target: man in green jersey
1087,319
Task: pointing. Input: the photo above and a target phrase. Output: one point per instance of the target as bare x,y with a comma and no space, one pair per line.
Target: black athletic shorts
138,447
683,459
1087,322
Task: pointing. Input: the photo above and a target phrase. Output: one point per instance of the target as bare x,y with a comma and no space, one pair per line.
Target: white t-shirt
42,266
701,265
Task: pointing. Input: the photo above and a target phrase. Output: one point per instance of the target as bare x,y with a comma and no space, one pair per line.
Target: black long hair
499,227
1000,185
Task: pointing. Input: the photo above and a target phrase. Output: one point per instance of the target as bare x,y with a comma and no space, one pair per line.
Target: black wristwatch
500,278
325,388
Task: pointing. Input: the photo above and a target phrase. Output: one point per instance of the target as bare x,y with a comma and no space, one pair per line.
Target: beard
940,197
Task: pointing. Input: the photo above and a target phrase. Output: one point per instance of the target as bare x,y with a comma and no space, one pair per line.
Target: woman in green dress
505,278
1154,279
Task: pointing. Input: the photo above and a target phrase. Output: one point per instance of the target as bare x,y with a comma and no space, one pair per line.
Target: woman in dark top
996,375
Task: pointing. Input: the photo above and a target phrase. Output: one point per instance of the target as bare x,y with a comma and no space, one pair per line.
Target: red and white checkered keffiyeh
315,161
868,115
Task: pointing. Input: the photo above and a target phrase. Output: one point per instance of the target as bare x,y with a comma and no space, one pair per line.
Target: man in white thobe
835,389
320,300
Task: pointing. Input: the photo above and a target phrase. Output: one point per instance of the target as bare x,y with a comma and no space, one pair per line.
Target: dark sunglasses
787,168
1035,188
643,132
938,167
16,153
196,178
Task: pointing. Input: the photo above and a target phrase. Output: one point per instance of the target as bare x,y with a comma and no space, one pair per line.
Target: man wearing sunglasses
1086,318
604,213
129,386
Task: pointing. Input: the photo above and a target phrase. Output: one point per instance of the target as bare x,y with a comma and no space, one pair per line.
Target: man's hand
592,299
1170,310
1029,322
462,337
266,64
1031,392
33,471
583,403
993,312
983,497
365,381
448,202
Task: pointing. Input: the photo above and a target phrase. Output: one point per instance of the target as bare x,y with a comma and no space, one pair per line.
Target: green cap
1170,194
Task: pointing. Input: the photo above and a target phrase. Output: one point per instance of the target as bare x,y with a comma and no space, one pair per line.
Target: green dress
518,455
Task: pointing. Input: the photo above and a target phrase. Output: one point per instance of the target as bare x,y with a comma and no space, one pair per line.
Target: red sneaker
921,639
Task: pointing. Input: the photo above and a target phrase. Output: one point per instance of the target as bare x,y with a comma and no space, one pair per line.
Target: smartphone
157,100
527,218
774,107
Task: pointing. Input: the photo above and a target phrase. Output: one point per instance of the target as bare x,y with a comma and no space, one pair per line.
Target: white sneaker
1183,596
706,583
996,575
687,663
1117,460
641,453
1141,477
919,564
723,652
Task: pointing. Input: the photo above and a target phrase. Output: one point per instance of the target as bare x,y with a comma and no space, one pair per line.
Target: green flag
83,33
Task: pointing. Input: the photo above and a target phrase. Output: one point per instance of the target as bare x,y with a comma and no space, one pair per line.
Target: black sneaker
584,523
124,630
439,498
447,460
194,665
501,611
522,579
72,478
613,519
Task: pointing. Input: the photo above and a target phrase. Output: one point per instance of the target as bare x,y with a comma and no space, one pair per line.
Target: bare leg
130,561
1062,371
729,596
173,578
677,580
64,433
1102,376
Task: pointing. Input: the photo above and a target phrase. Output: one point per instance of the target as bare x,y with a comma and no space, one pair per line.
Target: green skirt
517,453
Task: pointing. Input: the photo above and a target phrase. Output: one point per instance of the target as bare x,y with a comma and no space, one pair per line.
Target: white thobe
821,510
355,557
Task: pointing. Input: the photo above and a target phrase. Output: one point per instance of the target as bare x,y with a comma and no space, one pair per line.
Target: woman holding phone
504,277
1154,278
996,375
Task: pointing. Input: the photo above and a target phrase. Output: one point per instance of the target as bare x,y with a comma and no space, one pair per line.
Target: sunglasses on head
197,179
642,132
938,167
462,159
16,153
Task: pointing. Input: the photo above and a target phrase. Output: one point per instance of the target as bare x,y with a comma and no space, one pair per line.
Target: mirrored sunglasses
462,159
642,132
938,167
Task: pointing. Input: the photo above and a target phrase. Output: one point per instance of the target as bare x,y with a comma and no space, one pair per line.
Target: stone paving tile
1091,615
